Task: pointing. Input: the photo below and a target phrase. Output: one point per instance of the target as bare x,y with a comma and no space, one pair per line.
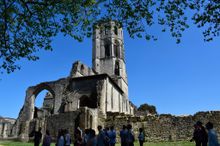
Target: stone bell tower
108,52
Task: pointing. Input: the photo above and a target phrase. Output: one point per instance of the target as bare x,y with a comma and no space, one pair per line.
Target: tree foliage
28,26
147,108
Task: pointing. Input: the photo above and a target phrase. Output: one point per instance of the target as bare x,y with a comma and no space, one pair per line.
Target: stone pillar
24,136
5,130
103,97
1,129
95,120
31,111
28,111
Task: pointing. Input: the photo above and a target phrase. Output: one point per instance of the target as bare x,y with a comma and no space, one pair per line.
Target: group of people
202,138
38,136
105,137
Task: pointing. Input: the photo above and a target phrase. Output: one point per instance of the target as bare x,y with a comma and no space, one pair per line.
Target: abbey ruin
89,97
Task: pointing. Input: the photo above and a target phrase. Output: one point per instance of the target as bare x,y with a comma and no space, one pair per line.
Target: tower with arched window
108,52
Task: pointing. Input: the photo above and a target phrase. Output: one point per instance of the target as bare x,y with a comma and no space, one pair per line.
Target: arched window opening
107,46
82,69
44,103
39,100
117,49
89,102
117,68
116,30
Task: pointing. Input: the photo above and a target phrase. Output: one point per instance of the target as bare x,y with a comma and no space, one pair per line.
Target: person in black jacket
37,137
196,135
200,135
203,136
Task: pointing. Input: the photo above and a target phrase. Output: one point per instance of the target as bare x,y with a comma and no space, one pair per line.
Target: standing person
61,140
141,136
67,138
78,137
202,134
86,136
92,138
47,139
112,136
37,137
107,133
100,137
196,135
212,135
123,135
130,136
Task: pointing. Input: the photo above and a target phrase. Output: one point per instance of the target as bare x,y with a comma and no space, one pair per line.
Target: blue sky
179,79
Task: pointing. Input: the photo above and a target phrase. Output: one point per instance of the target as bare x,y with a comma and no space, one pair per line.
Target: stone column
101,85
1,129
5,128
24,136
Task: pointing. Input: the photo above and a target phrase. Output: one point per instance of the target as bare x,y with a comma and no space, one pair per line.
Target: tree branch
27,7
5,24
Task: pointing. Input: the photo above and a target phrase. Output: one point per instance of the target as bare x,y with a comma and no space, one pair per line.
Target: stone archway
26,122
37,115
88,107
44,104
34,91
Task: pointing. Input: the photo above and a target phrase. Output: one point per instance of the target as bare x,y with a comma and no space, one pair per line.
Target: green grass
13,143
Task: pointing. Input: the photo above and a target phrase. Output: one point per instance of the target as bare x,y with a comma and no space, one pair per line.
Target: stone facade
166,127
6,127
92,92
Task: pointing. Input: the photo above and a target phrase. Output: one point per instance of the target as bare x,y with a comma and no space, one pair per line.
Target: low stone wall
166,127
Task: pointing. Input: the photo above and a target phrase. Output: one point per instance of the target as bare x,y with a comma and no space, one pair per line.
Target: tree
147,108
28,26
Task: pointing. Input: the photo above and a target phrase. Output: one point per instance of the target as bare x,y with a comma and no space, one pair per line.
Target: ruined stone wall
61,121
79,69
166,127
6,127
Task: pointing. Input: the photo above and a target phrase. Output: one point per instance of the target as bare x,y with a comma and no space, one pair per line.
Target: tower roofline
106,20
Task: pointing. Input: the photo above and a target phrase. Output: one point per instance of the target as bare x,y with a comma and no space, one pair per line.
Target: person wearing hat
212,135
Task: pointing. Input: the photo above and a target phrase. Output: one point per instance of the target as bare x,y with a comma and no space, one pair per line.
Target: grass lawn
12,143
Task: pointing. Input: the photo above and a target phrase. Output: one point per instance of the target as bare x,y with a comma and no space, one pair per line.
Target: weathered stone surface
166,127
6,126
62,121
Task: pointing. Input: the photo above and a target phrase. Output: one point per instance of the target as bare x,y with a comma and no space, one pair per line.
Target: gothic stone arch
27,112
31,95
